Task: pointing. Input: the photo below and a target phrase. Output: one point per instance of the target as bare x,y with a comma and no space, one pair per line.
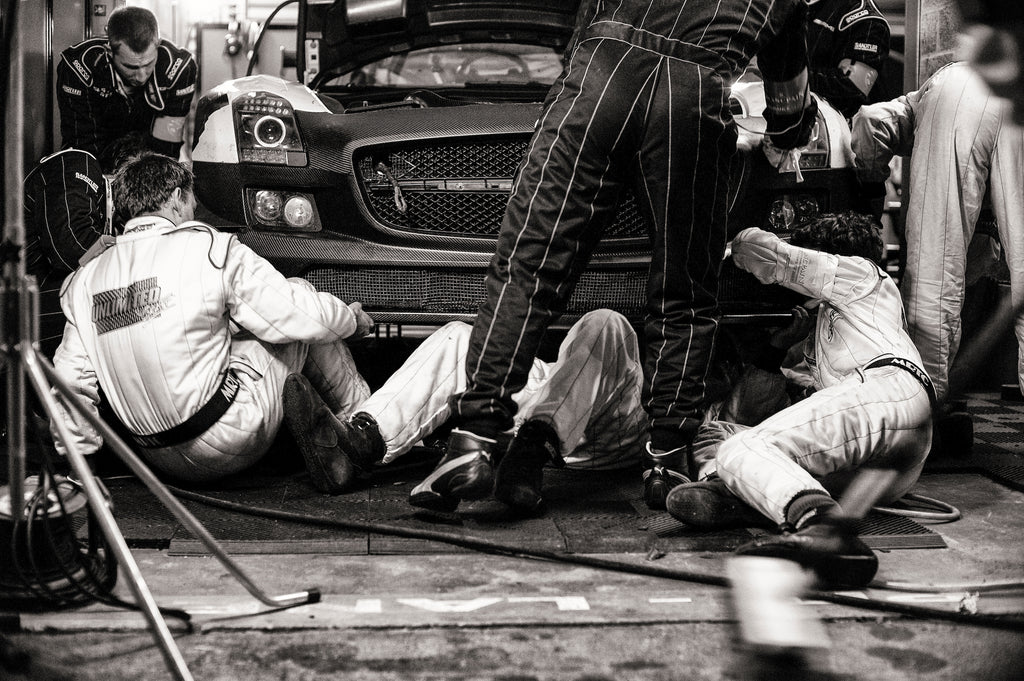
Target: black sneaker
662,474
520,474
826,545
465,472
315,430
710,505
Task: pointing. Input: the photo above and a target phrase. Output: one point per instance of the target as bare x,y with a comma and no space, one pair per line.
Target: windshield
459,65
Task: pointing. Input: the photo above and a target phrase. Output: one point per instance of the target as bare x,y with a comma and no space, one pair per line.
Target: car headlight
815,154
281,209
266,131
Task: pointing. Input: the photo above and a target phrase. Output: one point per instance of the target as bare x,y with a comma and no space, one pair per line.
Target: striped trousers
619,115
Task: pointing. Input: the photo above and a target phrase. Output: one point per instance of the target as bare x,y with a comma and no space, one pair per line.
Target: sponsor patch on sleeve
73,91
866,47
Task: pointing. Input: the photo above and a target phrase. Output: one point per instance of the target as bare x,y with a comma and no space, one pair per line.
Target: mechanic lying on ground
581,411
190,335
872,406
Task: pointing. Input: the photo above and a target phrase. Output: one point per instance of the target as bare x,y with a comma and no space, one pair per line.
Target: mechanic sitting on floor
581,411
190,335
872,405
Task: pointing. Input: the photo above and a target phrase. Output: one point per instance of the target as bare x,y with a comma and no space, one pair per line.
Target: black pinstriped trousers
620,115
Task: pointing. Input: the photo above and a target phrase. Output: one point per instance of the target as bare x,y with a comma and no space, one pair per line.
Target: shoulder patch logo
866,11
82,72
866,47
88,180
833,316
172,72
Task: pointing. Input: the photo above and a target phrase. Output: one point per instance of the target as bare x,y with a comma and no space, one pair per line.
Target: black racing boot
520,474
662,473
710,505
360,439
952,435
465,472
334,452
828,546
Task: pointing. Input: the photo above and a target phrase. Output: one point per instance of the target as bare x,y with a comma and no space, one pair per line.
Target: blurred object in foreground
992,41
781,637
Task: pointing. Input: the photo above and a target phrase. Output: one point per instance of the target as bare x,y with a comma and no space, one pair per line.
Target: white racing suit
590,395
168,316
859,415
961,140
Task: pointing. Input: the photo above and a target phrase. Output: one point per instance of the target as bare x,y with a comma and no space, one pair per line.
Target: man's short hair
144,184
846,233
133,26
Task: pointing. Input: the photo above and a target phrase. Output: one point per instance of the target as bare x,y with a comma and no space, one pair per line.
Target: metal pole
170,501
172,656
20,305
14,266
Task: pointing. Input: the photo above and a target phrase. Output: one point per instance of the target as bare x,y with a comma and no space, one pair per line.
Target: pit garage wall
47,28
932,27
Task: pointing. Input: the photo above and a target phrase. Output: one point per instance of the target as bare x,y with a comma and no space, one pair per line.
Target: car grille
458,292
458,189
453,292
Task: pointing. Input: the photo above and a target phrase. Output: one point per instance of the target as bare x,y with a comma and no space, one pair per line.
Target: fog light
806,207
781,215
298,212
268,206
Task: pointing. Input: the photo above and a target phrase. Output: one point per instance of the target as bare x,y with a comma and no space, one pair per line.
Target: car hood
353,33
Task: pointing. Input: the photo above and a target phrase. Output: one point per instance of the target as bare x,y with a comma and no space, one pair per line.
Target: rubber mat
998,451
585,512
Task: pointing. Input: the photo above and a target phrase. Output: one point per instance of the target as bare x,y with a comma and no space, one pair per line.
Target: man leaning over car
130,84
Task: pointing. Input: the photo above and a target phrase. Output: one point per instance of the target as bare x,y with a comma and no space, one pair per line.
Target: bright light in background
209,10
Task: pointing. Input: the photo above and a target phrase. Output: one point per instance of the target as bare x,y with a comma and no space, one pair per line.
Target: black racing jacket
65,214
851,30
95,110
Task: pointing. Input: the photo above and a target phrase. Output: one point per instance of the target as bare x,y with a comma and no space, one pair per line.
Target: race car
382,174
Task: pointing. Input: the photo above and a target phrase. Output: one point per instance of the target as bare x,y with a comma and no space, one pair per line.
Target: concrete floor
475,616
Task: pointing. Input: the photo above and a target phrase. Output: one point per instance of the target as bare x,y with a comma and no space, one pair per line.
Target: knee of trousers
732,454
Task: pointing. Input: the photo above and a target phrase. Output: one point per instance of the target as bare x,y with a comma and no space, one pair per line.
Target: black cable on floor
487,546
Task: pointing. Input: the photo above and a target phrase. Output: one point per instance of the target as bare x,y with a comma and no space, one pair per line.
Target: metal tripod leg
171,502
172,656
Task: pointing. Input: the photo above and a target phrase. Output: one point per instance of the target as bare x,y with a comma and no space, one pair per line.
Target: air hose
487,546
943,513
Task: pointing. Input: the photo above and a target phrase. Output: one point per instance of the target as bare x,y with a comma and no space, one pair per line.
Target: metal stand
19,304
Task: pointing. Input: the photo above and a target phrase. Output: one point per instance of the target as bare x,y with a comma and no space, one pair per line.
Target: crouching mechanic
131,84
66,212
190,335
583,411
872,406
